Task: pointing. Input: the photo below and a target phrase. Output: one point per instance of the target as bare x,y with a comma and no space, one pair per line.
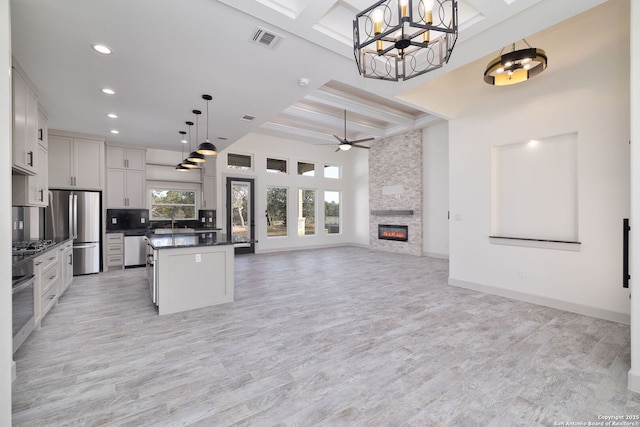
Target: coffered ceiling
166,54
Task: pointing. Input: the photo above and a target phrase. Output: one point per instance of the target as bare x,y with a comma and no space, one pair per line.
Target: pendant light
186,162
194,156
207,148
180,167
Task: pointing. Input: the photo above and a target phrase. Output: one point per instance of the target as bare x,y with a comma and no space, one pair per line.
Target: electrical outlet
198,257
114,220
521,275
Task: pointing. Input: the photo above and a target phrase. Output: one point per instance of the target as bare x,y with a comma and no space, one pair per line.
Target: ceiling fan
345,144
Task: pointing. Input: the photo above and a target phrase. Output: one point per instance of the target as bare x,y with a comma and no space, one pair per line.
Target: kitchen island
190,270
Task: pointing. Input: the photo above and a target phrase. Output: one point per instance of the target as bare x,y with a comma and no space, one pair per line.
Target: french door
241,214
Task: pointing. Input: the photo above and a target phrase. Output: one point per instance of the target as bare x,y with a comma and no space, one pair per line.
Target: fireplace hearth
398,233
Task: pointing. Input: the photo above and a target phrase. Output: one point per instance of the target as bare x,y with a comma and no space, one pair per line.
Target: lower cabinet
115,250
66,266
47,272
54,274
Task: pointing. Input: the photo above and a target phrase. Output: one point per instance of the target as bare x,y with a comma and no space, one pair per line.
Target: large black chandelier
402,39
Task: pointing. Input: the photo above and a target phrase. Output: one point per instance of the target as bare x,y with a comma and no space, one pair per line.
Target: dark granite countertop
17,260
186,240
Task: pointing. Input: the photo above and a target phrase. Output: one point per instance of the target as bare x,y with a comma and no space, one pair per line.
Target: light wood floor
344,336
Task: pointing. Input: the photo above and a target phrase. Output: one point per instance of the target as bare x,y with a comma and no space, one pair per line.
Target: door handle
93,245
30,158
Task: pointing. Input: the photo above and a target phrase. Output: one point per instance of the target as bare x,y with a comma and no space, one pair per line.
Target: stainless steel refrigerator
76,214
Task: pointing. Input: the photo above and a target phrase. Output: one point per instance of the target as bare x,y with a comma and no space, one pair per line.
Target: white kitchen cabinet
33,190
66,266
75,163
209,184
43,130
125,157
208,192
25,125
115,250
46,290
125,189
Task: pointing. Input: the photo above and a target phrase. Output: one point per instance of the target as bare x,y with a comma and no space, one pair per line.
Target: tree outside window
306,212
276,211
332,212
173,204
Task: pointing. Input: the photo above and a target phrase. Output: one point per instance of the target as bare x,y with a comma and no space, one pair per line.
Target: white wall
352,185
6,346
580,92
634,372
435,161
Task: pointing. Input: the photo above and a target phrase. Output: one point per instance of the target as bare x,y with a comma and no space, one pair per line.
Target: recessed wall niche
535,189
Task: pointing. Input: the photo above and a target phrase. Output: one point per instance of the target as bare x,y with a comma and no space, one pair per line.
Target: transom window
239,162
332,171
306,169
276,165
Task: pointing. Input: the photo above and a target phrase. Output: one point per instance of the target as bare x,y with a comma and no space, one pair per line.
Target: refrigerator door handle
91,245
71,216
75,216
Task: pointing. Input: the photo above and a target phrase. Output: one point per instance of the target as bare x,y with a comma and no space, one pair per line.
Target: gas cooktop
28,247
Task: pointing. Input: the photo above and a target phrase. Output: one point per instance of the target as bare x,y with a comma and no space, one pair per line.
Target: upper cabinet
75,163
125,158
25,125
125,177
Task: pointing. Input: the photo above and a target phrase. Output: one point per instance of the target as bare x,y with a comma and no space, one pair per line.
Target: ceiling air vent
247,118
265,38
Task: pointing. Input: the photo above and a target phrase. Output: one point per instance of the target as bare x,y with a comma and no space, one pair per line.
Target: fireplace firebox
393,232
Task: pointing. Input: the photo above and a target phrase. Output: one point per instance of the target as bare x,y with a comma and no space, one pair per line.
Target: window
276,211
306,169
331,171
276,165
173,204
239,162
332,212
306,212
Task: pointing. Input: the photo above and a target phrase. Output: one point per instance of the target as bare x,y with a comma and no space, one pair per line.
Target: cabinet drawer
49,278
48,299
45,261
114,249
115,261
115,238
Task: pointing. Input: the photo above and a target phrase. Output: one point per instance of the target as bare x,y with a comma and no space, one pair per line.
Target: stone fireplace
395,192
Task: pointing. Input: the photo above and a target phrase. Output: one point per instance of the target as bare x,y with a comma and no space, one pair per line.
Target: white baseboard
302,248
436,255
547,302
633,381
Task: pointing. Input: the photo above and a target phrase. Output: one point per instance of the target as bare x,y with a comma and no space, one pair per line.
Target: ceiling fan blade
362,140
337,149
360,146
337,137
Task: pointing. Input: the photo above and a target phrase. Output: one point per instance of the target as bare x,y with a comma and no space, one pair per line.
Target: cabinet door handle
42,195
30,158
40,133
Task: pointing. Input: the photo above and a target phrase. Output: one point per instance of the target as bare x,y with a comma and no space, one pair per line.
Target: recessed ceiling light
108,91
112,116
115,132
100,48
